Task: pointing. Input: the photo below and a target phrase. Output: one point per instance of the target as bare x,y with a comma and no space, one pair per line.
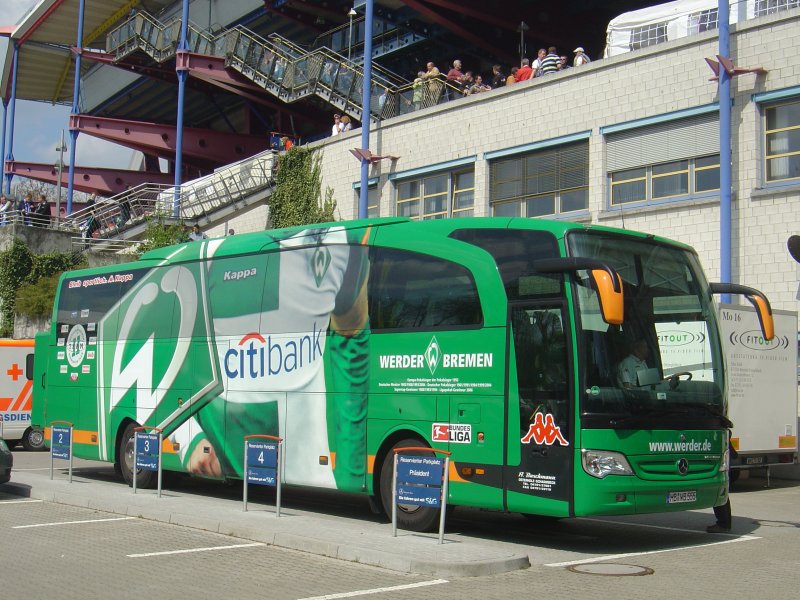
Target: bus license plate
754,460
680,497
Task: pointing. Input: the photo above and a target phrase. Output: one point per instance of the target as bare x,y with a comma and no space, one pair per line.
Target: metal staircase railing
276,64
117,217
387,39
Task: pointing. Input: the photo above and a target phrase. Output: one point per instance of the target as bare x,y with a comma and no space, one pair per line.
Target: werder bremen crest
157,361
433,355
320,261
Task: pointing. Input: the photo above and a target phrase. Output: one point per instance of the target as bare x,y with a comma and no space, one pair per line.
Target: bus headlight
599,463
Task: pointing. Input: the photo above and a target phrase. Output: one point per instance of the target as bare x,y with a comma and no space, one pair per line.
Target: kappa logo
320,261
543,430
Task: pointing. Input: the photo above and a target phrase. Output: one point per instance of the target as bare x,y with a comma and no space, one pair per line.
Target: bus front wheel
126,459
409,517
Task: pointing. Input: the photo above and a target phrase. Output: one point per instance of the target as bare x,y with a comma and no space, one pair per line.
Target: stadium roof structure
48,32
221,102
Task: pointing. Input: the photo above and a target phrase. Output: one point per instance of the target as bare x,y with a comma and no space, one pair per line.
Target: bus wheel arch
412,518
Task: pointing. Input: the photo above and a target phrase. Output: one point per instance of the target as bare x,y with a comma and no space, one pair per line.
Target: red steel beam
91,180
208,70
200,146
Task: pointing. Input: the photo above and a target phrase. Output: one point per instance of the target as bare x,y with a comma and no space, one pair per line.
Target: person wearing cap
580,57
337,124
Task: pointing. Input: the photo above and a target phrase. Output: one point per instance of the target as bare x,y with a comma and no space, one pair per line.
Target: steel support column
3,141
366,98
10,155
76,90
725,180
182,72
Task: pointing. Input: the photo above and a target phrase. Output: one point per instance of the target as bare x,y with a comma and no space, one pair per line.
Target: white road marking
744,538
34,469
191,550
393,588
647,525
72,522
18,501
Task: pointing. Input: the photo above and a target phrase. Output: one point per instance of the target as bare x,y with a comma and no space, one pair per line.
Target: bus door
540,420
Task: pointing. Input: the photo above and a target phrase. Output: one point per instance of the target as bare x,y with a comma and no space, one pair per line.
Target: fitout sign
262,463
147,451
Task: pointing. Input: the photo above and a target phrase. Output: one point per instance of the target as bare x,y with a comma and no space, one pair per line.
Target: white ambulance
16,395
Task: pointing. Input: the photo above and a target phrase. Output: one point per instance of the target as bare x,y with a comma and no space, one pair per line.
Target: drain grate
612,569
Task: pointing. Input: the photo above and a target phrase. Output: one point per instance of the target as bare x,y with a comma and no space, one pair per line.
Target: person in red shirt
525,72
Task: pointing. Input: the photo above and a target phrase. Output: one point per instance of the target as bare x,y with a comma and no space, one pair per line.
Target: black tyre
33,440
409,517
125,460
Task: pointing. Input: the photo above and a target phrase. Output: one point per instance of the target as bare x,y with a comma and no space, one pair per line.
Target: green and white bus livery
504,341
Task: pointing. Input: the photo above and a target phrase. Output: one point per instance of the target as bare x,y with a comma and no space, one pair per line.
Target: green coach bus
545,356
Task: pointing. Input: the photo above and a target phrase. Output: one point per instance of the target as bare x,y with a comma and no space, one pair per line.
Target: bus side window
412,291
29,367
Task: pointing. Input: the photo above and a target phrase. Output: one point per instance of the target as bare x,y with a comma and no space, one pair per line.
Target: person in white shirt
337,125
196,234
629,367
5,207
580,57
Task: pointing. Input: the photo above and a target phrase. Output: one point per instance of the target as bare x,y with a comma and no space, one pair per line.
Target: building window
648,35
768,7
705,20
437,196
672,159
544,183
373,202
666,180
782,145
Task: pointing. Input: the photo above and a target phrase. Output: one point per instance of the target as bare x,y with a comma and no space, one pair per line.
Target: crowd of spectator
432,85
25,210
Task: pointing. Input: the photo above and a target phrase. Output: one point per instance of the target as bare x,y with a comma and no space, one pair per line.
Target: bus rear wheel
126,457
409,516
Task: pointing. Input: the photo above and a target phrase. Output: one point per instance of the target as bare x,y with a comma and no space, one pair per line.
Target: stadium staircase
207,200
279,66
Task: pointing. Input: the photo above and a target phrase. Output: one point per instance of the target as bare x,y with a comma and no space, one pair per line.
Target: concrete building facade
627,141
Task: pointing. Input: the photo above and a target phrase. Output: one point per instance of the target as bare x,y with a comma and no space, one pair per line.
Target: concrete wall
40,241
655,81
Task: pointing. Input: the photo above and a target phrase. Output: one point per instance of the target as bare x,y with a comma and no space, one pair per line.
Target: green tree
21,273
297,198
162,231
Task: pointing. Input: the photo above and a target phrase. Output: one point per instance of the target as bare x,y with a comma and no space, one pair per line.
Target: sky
38,125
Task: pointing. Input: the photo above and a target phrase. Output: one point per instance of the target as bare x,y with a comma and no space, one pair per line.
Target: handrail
277,64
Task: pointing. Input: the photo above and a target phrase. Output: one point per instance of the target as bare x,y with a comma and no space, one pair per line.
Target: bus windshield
662,368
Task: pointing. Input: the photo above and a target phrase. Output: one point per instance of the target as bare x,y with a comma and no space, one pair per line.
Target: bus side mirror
606,281
756,298
610,296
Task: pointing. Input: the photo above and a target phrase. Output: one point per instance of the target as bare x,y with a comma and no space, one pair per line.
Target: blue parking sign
147,451
262,463
60,438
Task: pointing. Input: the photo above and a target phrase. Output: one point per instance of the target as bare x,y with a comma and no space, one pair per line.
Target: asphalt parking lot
94,538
